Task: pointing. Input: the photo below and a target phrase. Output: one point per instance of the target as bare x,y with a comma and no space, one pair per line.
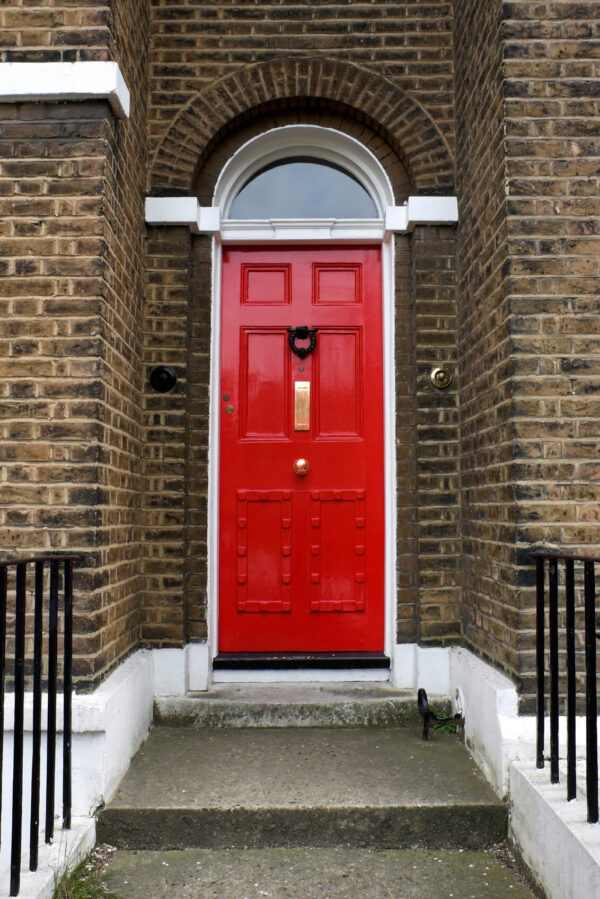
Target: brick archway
386,108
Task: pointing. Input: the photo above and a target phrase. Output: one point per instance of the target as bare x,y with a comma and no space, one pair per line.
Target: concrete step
299,787
294,705
313,874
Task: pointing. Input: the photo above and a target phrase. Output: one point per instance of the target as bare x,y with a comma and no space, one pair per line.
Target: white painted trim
396,219
169,672
389,445
179,671
197,667
421,211
304,230
184,211
212,581
416,666
432,211
37,81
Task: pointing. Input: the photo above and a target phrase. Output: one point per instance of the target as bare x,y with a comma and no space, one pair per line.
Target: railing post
34,827
67,689
571,676
51,733
539,652
553,623
17,798
3,598
591,702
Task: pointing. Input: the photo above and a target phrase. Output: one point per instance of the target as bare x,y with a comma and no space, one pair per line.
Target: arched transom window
303,172
302,187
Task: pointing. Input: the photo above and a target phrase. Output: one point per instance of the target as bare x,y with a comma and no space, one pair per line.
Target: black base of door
280,660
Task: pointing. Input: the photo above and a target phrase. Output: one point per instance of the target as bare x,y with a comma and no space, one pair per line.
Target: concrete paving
312,874
322,787
293,705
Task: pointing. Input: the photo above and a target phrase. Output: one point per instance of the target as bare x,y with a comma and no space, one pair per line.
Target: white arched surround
342,150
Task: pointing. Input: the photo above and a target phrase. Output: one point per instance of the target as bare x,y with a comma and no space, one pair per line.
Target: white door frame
346,151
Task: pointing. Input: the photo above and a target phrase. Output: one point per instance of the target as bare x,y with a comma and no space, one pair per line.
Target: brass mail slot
302,406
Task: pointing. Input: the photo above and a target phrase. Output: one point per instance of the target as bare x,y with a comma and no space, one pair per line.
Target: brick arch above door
389,110
231,138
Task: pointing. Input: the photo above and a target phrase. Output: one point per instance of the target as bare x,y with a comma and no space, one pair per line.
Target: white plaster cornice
37,81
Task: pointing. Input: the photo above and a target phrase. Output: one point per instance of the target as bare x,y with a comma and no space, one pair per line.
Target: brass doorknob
301,467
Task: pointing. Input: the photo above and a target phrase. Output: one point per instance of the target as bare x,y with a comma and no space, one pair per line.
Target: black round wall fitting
163,378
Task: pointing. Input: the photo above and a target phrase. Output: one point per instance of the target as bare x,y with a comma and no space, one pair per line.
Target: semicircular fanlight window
302,187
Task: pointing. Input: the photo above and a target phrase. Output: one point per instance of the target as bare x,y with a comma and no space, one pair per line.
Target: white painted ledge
421,211
37,81
184,211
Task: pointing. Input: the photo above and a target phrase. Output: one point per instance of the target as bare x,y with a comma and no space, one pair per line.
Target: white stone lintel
207,220
37,81
184,211
421,211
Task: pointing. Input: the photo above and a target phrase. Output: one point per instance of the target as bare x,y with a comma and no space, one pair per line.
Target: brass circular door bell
440,377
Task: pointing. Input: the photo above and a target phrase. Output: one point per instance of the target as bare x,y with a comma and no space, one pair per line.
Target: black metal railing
579,577
19,592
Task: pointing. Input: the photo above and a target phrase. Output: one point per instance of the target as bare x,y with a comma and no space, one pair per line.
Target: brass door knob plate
301,467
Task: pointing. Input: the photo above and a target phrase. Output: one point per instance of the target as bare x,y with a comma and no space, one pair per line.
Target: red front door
301,555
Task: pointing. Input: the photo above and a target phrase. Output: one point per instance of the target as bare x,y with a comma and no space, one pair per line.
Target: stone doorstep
284,787
313,874
294,705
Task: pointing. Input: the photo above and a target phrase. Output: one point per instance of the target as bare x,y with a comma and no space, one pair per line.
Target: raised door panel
338,548
338,388
264,384
264,551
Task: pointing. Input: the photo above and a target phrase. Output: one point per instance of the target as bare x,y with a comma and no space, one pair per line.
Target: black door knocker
302,333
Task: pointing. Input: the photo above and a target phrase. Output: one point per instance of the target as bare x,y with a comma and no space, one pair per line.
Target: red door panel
301,558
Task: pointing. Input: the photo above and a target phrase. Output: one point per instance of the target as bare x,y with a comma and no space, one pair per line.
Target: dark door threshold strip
280,660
